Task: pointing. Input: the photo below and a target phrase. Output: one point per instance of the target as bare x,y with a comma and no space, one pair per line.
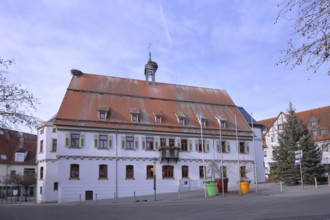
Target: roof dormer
222,121
158,117
135,115
202,120
104,112
181,118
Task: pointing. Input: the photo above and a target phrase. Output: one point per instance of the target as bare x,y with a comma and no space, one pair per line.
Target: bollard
134,196
80,198
281,186
315,182
96,197
179,195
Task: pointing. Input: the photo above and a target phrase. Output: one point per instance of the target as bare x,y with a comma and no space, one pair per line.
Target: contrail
162,17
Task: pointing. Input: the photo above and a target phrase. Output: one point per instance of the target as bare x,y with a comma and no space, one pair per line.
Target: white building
103,141
257,142
317,121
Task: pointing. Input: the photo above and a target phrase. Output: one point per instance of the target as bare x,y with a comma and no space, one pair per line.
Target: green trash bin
212,188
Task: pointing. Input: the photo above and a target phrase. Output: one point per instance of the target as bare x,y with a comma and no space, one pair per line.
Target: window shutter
227,146
247,147
143,143
82,140
136,142
178,142
123,142
218,146
207,146
156,143
196,145
96,141
110,141
67,140
189,144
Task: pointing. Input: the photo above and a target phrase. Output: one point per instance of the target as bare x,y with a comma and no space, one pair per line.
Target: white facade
57,186
259,155
271,140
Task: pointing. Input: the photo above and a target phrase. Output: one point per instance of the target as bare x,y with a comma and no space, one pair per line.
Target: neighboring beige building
317,121
17,156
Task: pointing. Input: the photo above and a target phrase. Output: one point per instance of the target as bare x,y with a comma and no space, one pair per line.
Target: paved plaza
269,203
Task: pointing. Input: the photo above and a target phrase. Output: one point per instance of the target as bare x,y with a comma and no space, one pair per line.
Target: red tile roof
10,144
321,115
88,92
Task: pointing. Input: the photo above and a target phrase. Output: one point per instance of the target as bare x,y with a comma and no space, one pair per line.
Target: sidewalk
264,189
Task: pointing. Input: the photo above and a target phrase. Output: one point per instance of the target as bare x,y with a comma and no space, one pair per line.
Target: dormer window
181,118
201,120
158,117
20,156
135,115
313,122
104,112
222,121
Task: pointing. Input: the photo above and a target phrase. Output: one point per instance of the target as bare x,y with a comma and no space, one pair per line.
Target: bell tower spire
150,69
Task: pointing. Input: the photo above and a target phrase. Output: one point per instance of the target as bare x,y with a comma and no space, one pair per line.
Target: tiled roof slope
88,92
268,122
10,144
321,115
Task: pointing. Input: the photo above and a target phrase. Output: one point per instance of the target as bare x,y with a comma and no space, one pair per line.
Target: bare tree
16,102
310,39
26,180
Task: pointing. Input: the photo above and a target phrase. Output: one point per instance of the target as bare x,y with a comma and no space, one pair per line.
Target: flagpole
239,166
254,157
221,157
204,168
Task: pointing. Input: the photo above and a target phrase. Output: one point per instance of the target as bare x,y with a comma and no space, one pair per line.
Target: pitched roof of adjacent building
321,117
12,142
88,92
249,119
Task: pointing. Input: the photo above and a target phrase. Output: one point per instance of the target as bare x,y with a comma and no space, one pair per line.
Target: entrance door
89,195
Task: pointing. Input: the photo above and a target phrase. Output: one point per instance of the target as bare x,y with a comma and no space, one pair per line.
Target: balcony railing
169,153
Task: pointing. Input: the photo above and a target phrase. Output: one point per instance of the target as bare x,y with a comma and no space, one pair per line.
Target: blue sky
231,45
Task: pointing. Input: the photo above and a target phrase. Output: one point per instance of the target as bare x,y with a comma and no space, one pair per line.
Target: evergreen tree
295,136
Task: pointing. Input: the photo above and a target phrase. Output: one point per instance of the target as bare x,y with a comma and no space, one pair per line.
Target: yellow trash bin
245,186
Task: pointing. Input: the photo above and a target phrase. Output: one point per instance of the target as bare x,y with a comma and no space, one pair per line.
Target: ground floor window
201,172
129,172
243,171
149,172
74,171
103,171
55,186
185,172
168,171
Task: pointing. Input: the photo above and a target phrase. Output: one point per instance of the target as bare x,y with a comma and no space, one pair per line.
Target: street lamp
153,169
